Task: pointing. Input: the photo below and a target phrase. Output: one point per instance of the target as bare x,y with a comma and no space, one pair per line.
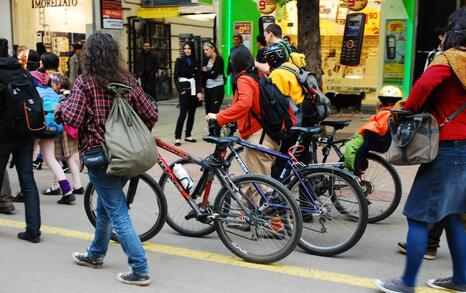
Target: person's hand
183,92
204,68
210,116
200,96
399,105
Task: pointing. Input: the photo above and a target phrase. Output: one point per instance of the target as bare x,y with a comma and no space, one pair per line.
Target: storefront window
57,24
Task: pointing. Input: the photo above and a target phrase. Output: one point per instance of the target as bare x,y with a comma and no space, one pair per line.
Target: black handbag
95,157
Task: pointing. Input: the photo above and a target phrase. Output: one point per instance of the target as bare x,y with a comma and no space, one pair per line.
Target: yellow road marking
222,259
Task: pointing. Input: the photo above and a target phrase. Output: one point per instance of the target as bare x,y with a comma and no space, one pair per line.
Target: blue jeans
22,157
112,212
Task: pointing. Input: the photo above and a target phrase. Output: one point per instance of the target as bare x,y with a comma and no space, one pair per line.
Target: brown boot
6,207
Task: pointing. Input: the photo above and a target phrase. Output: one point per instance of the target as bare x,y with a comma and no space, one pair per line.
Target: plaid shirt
88,107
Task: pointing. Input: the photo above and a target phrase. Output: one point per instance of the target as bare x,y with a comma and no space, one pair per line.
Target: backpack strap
453,115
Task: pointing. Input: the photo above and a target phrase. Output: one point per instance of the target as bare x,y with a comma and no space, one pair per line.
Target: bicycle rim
147,211
264,230
336,218
382,187
178,208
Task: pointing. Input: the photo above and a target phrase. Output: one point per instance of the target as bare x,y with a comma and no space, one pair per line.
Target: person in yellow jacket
287,82
373,135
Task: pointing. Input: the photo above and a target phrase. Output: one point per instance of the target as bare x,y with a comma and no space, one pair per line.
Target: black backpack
275,109
24,114
315,106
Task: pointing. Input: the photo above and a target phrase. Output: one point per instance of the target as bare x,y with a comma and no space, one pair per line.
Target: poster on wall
395,49
244,28
111,14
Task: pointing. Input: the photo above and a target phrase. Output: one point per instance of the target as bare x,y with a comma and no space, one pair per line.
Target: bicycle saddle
307,130
225,140
336,124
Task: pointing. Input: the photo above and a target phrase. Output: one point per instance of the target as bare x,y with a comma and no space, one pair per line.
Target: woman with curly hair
87,109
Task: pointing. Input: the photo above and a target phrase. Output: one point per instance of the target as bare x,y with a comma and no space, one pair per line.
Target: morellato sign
53,3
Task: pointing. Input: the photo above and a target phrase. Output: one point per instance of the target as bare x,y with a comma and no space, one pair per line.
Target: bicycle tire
191,227
153,228
325,184
371,190
258,227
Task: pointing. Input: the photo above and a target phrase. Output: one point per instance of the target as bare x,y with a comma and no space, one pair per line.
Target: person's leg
456,237
218,95
184,100
417,244
435,232
72,162
47,147
208,96
258,162
191,113
103,228
23,161
110,191
5,190
6,206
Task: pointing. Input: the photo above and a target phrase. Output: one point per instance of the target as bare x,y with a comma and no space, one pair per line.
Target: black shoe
19,197
84,260
6,208
50,191
37,164
67,199
65,166
78,191
133,279
29,237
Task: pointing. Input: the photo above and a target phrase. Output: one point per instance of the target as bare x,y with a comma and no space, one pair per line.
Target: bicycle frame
290,166
212,166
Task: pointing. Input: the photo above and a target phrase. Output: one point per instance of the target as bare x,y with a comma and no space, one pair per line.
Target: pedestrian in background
237,42
87,109
74,68
21,149
262,45
438,193
49,64
213,78
145,68
188,82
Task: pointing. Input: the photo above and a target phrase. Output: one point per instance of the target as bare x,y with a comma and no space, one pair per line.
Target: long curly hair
102,60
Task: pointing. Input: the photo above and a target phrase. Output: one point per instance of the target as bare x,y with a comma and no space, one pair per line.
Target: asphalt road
183,264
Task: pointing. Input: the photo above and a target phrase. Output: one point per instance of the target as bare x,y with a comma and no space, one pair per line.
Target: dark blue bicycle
332,203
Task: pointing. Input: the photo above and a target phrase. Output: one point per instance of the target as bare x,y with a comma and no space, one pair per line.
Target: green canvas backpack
131,148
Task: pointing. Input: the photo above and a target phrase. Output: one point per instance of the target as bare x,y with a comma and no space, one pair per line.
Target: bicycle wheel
382,188
264,230
178,208
334,210
148,210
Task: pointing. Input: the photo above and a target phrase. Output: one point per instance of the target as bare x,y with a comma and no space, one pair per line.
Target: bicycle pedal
190,215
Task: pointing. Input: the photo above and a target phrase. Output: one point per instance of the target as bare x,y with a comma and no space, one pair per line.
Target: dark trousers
435,232
22,156
148,84
188,106
213,99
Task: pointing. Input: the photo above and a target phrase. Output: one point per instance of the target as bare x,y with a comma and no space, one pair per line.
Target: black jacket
217,69
146,63
9,67
182,69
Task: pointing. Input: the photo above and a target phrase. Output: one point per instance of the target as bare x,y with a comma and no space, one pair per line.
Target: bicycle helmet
275,55
390,94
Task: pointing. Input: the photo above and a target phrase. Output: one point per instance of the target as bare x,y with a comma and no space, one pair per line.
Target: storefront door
159,36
